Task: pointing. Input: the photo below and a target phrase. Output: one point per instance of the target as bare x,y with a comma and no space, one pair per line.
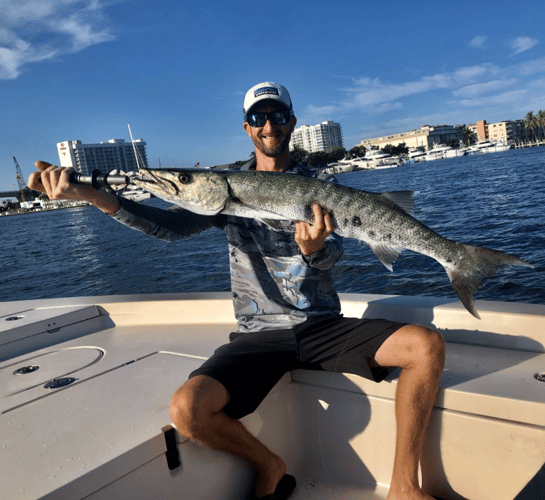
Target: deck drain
14,318
540,377
57,383
26,369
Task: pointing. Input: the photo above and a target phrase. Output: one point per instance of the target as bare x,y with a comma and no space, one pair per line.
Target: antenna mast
137,156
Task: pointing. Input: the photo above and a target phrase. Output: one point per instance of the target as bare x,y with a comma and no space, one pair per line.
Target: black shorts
252,363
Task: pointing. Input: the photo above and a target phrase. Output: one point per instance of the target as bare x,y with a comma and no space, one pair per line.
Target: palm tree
530,122
541,122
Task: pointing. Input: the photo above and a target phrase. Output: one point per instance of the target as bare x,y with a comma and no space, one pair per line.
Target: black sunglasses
276,117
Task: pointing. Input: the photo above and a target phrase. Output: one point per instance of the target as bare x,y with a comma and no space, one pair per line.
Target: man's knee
195,403
430,346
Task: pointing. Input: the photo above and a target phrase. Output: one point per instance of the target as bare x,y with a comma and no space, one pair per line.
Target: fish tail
476,264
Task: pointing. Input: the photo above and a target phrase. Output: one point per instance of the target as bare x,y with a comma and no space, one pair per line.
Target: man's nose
268,124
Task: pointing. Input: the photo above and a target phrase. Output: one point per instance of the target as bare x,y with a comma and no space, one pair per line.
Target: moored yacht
416,155
377,158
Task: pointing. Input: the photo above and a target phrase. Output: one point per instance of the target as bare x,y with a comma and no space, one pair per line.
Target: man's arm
169,225
54,181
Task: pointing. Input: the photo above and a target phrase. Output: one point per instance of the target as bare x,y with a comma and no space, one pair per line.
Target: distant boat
488,146
339,167
416,155
377,158
440,151
135,193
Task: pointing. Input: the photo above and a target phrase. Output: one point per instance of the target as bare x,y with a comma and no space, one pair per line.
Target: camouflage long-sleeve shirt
273,285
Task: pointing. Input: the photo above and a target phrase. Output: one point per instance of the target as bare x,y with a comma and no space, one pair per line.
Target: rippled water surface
494,200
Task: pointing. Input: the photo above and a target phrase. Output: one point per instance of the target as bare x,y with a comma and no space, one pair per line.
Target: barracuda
381,220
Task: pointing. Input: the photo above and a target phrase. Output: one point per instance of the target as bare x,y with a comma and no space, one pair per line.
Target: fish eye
184,178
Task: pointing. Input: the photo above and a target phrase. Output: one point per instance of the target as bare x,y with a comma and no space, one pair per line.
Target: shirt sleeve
170,225
328,256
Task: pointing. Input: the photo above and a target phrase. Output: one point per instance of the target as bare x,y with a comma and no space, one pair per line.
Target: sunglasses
276,117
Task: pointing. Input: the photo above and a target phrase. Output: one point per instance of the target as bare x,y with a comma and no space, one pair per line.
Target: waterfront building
425,136
104,156
322,137
507,130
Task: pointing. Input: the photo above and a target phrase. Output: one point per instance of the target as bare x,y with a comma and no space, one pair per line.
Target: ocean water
492,200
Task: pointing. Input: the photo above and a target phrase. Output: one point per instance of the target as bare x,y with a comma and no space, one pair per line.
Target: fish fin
387,254
477,263
403,199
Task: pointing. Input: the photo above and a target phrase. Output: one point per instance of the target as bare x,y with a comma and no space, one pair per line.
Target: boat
341,167
442,151
377,158
135,193
487,146
86,384
416,155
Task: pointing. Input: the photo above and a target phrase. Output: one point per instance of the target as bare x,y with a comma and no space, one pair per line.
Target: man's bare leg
197,411
420,353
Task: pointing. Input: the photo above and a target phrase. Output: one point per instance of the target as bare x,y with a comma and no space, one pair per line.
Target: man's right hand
54,181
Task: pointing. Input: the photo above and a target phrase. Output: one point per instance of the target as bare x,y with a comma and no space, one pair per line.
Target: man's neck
268,164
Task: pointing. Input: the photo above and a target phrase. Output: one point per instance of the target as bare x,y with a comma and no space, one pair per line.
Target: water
494,200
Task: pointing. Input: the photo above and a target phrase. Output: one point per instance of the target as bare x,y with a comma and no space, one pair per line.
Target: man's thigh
249,367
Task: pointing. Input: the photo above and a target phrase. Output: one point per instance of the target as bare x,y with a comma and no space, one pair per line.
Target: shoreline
8,213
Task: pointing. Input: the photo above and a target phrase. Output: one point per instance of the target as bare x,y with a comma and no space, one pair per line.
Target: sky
177,71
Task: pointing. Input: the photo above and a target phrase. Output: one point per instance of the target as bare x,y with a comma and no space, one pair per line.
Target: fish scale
381,220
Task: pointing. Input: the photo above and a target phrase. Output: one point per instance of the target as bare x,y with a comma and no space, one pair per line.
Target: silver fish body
381,220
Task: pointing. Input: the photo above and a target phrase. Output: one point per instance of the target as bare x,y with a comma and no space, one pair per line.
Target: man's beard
274,151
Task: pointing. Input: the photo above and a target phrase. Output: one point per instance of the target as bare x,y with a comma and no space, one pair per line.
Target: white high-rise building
104,156
322,137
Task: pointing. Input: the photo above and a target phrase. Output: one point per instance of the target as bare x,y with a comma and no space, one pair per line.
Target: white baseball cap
267,91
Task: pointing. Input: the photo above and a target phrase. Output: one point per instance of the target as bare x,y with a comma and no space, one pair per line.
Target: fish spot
372,234
345,221
356,221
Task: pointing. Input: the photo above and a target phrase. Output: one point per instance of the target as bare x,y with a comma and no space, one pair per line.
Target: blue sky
177,71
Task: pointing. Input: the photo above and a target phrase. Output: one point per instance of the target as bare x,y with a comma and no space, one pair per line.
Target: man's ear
247,128
293,123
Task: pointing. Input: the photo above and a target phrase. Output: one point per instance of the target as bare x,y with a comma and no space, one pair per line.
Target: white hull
101,437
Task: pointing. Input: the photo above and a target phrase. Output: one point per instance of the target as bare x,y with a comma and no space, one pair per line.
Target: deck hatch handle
172,454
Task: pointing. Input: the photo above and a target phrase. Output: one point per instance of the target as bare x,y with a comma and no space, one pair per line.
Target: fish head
202,192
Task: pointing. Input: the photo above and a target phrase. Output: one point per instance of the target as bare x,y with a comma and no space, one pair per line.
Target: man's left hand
311,237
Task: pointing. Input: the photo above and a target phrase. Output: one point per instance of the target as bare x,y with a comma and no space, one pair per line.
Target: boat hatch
37,371
29,330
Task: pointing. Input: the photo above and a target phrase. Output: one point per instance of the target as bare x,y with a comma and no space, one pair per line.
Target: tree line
533,122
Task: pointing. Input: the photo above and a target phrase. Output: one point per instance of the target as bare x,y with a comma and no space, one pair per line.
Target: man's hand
311,237
54,181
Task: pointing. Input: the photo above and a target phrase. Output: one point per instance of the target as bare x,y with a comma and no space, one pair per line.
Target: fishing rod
97,179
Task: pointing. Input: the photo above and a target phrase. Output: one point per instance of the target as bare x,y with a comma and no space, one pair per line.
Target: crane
20,180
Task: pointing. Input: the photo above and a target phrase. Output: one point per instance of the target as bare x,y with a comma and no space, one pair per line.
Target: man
288,315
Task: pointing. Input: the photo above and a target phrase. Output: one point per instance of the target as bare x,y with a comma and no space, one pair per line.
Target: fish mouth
151,180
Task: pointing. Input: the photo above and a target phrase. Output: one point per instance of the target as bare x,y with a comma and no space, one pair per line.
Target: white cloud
504,99
479,89
522,43
371,95
38,30
478,42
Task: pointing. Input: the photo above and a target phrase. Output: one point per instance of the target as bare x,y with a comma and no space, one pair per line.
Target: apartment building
508,131
322,137
104,156
425,137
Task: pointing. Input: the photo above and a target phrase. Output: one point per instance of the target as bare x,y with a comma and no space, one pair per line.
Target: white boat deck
102,435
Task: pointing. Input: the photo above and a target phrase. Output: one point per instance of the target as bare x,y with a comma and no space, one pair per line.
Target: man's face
272,140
